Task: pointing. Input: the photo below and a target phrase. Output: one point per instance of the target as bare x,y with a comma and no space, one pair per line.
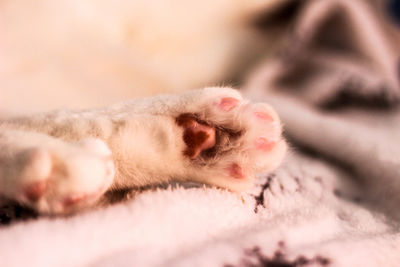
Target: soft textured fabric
334,201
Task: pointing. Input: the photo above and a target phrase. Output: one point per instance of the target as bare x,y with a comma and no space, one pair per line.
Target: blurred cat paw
61,179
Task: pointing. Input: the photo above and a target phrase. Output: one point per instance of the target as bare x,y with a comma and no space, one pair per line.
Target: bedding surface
333,202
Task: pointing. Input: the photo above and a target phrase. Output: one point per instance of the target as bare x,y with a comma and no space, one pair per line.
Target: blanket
333,202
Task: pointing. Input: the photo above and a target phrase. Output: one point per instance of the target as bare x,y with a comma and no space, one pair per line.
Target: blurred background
79,54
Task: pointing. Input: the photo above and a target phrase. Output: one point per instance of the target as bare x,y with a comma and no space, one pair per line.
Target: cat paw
63,178
229,140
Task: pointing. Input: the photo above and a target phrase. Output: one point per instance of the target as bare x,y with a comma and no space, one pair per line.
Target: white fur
146,143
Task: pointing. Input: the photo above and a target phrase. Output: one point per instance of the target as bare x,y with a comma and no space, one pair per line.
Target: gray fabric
338,93
334,51
334,201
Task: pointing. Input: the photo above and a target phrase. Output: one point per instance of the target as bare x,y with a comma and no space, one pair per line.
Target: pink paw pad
263,116
236,171
228,103
263,144
35,191
73,200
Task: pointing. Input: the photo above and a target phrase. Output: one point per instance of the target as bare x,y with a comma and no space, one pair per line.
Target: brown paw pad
198,136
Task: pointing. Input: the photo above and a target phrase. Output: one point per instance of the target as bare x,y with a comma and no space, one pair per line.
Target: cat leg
211,136
50,175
